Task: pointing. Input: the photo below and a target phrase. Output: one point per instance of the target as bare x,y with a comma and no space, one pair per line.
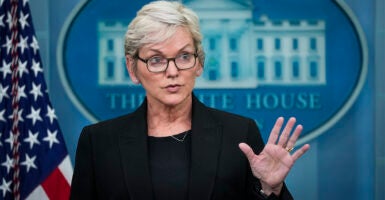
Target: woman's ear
199,71
131,70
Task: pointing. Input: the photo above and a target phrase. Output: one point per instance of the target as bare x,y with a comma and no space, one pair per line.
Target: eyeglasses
159,64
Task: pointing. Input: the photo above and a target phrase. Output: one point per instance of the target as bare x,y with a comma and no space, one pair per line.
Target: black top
170,165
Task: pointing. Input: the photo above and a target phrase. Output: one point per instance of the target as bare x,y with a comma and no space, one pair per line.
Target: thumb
246,149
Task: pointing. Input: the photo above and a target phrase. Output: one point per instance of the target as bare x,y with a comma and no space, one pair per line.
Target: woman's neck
163,120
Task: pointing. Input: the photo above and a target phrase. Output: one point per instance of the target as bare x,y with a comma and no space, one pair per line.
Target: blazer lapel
134,154
205,148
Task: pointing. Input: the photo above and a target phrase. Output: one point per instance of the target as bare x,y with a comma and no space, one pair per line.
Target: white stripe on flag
66,169
38,194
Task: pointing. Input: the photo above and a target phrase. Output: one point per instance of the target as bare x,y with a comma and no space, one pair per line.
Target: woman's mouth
173,88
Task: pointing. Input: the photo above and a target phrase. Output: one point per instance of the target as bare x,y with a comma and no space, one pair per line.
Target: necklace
180,139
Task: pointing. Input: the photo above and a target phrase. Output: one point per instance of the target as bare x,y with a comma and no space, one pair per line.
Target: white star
25,2
34,45
6,69
34,115
36,67
32,139
29,162
10,140
8,164
21,93
51,114
1,18
3,92
22,68
8,44
23,43
9,20
23,20
51,138
5,187
1,2
19,116
36,91
2,115
1,144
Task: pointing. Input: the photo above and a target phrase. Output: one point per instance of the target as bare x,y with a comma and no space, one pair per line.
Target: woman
173,146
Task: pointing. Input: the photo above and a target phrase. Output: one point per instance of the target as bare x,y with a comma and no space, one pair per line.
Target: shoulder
112,127
103,129
235,128
119,124
226,118
110,123
233,122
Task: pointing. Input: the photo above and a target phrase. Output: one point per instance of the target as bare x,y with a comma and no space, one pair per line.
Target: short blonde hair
157,21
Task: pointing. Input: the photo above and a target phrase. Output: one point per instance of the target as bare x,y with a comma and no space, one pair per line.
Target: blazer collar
205,149
134,154
205,144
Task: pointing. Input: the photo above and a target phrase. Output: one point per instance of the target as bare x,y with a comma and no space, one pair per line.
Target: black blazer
112,158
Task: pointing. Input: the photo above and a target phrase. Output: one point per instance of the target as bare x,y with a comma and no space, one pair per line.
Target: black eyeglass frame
168,62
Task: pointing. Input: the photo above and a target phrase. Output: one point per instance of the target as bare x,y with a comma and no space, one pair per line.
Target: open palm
273,164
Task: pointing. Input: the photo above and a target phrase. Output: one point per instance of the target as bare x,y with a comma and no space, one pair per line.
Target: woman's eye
156,60
185,56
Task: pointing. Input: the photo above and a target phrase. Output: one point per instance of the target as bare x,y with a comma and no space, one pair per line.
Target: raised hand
273,164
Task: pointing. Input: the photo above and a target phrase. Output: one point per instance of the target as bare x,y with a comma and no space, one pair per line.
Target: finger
286,132
300,151
246,149
275,131
293,138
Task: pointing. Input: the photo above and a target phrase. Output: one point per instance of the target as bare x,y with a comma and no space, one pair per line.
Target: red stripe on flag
56,186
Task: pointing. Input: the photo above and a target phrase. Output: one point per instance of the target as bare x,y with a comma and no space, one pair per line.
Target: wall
345,162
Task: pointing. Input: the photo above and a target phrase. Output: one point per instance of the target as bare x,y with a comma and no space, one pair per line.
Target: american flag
34,162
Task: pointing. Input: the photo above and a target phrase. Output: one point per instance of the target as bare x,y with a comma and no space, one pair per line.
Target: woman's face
173,86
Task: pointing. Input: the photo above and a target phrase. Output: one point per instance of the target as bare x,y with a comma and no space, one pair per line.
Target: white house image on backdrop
241,52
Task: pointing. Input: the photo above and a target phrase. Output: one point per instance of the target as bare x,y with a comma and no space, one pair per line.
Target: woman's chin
175,100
